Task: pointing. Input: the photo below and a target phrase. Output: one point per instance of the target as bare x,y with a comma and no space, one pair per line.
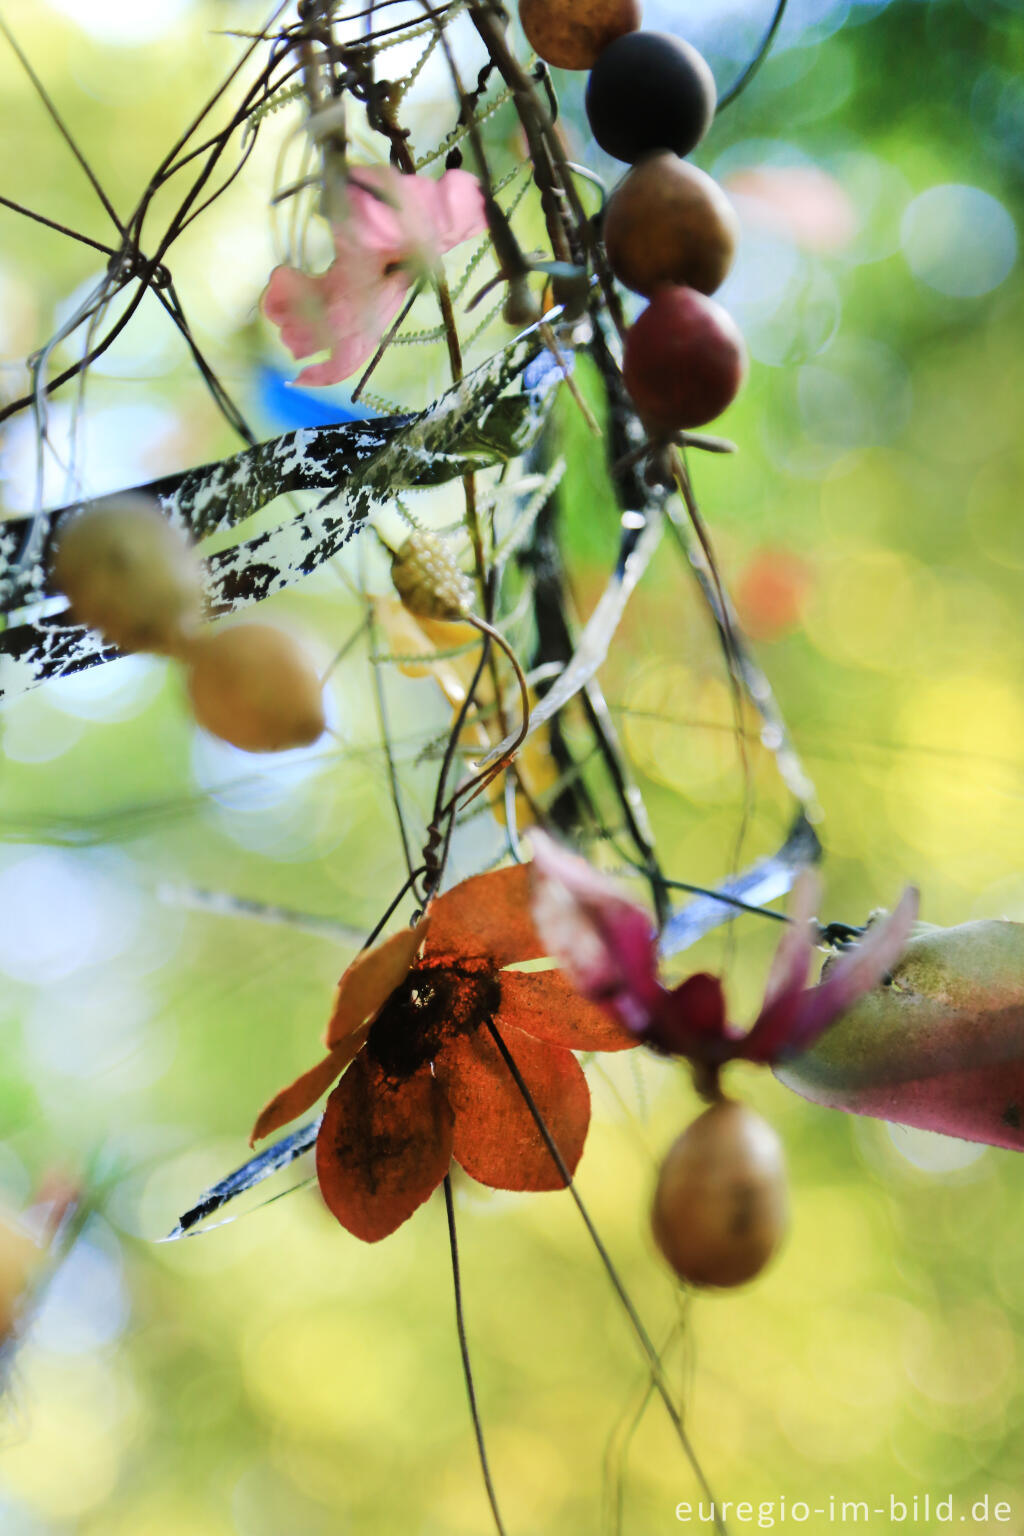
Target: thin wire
386,341
451,747
61,126
150,268
62,229
646,1344
618,1447
384,727
467,1370
702,890
752,68
227,407
407,886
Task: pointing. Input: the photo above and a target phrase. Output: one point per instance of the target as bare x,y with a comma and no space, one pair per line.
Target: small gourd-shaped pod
720,1205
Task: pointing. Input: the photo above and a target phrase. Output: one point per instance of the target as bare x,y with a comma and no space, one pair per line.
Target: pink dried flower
396,229
608,947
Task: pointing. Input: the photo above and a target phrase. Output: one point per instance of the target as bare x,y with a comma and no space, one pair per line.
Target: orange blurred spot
802,202
769,594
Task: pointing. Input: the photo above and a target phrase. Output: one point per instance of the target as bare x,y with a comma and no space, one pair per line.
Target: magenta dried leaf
605,942
792,1019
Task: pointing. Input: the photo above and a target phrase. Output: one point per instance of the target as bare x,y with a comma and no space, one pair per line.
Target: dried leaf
270,1161
598,632
497,1140
384,1147
544,1004
488,916
356,467
370,980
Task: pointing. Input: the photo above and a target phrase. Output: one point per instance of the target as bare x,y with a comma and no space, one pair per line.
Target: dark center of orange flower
435,1003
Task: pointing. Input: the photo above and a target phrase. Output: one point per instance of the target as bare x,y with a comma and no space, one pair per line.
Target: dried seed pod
668,222
650,90
720,1204
428,581
571,34
130,574
684,360
941,1047
255,686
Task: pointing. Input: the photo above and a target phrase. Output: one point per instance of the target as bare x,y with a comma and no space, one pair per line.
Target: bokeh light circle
959,240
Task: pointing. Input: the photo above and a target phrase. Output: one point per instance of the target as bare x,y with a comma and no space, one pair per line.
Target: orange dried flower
426,1081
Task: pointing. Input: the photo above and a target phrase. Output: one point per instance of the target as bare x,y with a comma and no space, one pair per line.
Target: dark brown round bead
649,90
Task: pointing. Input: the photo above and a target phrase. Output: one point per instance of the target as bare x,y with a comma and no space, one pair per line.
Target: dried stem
467,1370
643,1337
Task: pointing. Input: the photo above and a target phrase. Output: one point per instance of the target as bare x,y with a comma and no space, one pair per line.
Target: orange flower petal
370,980
488,915
496,1137
384,1146
304,1092
545,1005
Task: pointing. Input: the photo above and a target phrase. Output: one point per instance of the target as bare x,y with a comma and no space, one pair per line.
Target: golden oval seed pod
130,574
668,222
720,1207
256,687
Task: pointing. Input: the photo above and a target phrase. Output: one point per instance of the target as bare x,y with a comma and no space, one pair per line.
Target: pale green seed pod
940,1047
130,574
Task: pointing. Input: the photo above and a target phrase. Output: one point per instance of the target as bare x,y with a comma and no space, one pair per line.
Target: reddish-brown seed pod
255,686
129,574
720,1205
684,360
668,222
572,33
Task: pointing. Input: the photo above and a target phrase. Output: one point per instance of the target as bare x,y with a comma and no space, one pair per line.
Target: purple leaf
605,943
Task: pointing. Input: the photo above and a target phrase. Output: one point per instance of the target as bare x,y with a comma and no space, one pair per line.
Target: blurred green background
275,1377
